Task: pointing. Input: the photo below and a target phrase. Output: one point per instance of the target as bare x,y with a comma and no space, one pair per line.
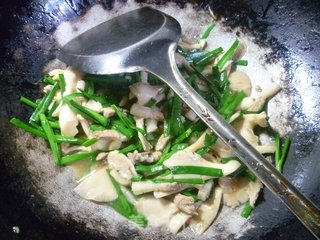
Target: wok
42,208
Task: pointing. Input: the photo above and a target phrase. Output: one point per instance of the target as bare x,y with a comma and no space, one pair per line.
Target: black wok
290,28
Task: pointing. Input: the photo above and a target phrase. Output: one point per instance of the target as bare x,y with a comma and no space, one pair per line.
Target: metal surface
145,40
289,28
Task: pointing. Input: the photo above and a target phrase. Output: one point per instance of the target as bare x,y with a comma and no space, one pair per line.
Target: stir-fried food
147,154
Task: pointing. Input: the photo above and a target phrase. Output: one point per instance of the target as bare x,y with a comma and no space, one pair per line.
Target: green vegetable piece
120,127
191,192
280,161
203,151
207,32
205,58
179,146
39,133
126,120
228,54
183,136
62,84
151,103
176,123
51,138
124,207
180,180
129,148
53,108
28,102
241,62
48,80
90,142
96,127
54,124
87,113
77,157
246,210
207,171
89,87
44,103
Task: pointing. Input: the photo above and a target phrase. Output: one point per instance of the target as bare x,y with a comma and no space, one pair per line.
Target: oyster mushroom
144,92
185,204
240,51
183,158
244,190
121,167
207,212
157,211
146,112
240,81
162,142
145,144
67,118
97,186
148,157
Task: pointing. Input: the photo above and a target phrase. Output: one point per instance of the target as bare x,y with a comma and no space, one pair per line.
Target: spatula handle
299,205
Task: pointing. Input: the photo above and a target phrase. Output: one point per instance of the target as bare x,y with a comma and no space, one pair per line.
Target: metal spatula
145,40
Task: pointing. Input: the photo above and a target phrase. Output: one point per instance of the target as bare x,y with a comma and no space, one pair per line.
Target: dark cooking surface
23,53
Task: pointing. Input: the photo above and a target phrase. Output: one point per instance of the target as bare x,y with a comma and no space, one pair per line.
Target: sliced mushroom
129,196
102,156
240,51
94,105
97,186
81,85
68,121
47,88
162,142
148,157
85,125
157,211
179,188
205,190
145,144
246,190
151,125
67,118
199,143
265,148
185,204
177,221
246,125
228,67
222,149
228,184
122,168
110,139
55,73
67,148
149,186
183,158
240,81
146,112
108,112
144,92
124,101
207,212
186,45
107,134
245,104
190,114
263,96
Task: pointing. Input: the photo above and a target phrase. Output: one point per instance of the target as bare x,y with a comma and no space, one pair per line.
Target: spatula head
127,43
